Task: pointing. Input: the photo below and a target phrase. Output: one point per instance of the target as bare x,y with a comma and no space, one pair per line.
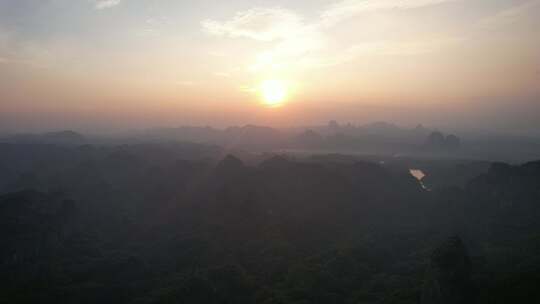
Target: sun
274,92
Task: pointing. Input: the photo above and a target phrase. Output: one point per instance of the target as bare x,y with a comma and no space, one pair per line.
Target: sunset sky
96,65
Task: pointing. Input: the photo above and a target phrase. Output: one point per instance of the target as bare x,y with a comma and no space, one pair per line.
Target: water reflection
419,175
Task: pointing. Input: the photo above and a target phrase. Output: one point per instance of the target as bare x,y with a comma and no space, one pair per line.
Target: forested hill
170,224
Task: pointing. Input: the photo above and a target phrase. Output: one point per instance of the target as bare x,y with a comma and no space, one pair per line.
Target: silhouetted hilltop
381,127
436,140
276,162
511,192
452,141
229,165
161,222
253,137
186,133
378,138
61,137
247,137
309,138
448,278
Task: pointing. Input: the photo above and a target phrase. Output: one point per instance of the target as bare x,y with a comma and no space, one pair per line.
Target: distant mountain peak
275,162
382,125
229,162
57,137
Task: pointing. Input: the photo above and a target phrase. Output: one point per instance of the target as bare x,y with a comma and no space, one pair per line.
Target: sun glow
274,92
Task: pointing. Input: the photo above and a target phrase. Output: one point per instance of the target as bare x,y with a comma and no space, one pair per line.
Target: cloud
297,43
286,52
370,49
186,83
509,15
154,27
269,24
262,24
290,35
5,39
349,8
103,4
222,74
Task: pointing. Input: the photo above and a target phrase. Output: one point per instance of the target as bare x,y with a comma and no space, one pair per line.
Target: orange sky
138,63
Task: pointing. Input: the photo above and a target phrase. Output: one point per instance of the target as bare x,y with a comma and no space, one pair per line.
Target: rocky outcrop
436,140
447,280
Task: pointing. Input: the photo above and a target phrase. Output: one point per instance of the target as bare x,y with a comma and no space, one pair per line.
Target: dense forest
269,152
187,223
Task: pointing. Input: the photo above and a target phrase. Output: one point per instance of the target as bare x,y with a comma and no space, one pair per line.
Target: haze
270,151
116,64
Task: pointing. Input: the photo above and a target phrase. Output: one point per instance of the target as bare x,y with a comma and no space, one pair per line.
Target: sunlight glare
274,92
